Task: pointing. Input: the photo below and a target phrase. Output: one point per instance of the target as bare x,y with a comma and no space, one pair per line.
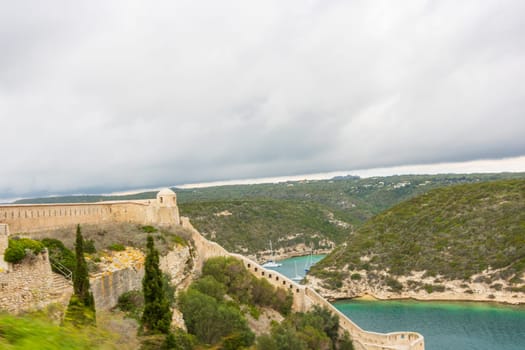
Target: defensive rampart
305,298
35,217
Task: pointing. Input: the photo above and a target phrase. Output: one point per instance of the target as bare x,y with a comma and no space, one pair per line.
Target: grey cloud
115,95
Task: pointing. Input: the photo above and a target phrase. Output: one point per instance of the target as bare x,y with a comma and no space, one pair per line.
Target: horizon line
483,166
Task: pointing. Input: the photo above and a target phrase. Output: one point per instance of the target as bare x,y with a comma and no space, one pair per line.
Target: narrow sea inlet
445,325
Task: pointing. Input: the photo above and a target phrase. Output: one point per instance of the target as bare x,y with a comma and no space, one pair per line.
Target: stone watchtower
167,209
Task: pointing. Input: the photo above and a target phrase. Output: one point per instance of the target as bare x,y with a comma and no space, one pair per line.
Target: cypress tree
80,275
156,317
81,308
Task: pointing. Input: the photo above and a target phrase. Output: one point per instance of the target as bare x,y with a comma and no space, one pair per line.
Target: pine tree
156,317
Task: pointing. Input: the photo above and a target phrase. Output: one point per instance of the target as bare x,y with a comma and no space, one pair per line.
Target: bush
16,249
210,320
179,240
210,286
355,277
315,329
59,253
89,246
428,288
395,285
149,229
180,340
117,247
246,288
132,303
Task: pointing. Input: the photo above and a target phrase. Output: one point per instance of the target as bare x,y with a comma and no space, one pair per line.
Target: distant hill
86,198
291,213
248,226
454,232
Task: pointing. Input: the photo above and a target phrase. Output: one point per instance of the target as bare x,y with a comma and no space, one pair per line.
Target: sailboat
297,277
309,262
271,262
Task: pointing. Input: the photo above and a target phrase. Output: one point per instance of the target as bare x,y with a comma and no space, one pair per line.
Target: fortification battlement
162,210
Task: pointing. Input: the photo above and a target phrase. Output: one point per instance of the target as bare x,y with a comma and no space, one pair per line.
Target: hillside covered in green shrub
454,232
293,212
251,224
217,305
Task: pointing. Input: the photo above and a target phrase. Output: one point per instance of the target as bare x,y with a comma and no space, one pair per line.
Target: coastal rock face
177,264
416,286
120,272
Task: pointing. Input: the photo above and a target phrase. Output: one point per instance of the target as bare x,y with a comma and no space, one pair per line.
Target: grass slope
37,332
455,232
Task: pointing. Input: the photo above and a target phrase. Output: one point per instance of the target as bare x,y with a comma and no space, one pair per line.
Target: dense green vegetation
454,232
215,308
251,224
59,253
132,304
316,329
212,317
18,248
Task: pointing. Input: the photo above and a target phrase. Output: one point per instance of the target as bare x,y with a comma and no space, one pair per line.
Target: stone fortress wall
31,284
25,218
164,211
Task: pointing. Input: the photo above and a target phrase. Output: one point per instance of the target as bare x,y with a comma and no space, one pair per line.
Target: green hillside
249,225
357,199
295,212
455,232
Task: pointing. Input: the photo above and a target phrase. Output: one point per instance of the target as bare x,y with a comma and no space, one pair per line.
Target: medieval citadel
32,284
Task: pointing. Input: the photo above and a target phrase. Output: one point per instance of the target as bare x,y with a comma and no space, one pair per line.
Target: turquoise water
289,265
445,325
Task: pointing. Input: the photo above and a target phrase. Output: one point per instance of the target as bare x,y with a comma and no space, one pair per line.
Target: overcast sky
97,96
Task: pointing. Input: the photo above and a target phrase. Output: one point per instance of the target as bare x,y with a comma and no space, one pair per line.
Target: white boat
271,262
